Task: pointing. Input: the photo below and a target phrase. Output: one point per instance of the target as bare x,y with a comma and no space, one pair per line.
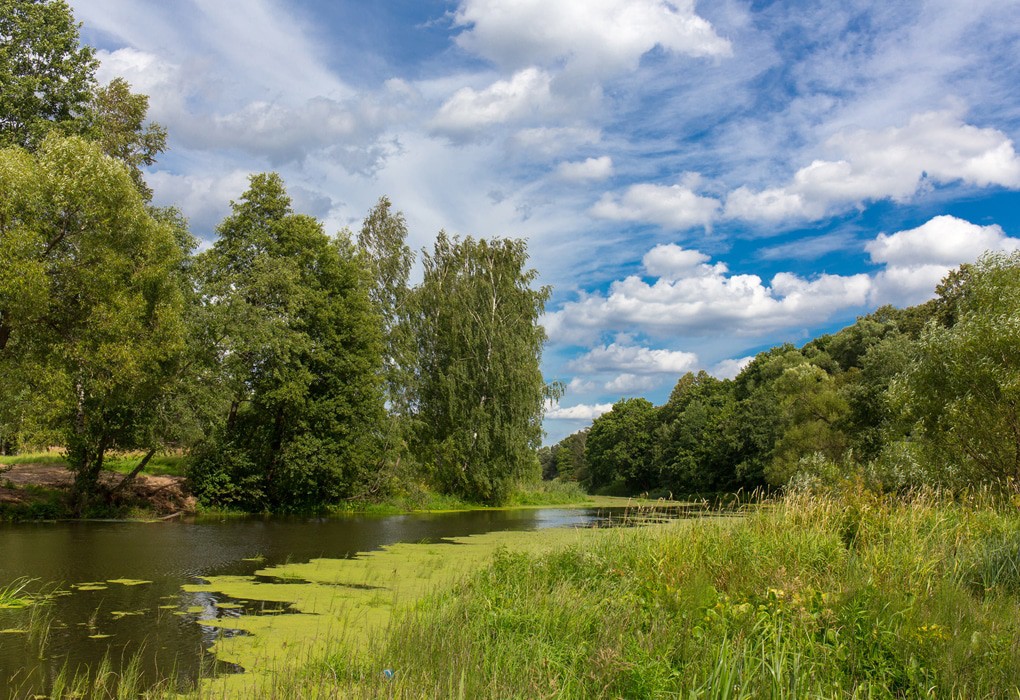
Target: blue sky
697,181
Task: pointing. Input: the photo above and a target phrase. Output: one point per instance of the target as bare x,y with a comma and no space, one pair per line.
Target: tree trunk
134,472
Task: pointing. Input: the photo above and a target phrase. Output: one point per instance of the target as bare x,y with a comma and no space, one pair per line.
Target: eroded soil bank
22,485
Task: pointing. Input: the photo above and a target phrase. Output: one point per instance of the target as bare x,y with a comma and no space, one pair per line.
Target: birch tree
479,393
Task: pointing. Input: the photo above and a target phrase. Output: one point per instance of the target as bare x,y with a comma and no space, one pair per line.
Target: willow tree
479,392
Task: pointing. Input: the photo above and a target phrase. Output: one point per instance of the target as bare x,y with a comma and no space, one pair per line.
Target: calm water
143,617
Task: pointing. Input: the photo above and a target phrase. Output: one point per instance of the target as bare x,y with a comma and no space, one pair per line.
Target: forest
295,369
923,396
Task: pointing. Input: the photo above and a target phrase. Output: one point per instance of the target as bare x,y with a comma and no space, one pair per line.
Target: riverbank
35,490
818,595
35,487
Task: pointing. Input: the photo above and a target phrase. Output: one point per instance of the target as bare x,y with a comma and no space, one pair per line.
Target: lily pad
229,606
91,587
100,636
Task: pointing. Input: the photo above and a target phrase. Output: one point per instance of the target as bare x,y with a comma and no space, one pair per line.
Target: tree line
297,369
924,395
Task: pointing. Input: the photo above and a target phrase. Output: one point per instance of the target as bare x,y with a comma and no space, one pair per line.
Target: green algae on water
128,581
342,602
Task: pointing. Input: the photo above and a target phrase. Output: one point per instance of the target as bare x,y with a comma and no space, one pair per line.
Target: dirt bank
162,494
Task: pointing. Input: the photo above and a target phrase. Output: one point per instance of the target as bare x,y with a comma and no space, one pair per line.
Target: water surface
94,617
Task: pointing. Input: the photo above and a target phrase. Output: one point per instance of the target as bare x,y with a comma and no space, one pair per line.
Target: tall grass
845,594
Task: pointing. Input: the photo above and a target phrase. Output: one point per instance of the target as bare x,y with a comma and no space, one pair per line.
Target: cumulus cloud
630,383
633,359
728,369
673,262
690,296
673,207
917,259
593,36
205,198
893,163
578,412
526,95
698,298
587,170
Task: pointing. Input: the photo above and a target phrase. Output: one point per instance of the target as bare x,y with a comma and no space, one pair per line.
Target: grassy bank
850,595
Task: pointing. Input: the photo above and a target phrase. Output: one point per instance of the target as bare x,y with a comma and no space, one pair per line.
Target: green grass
550,493
847,595
123,463
844,594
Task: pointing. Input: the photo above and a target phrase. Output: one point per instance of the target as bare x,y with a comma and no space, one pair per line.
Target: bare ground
163,494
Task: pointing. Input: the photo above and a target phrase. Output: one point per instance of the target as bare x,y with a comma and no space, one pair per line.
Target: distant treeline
298,369
903,397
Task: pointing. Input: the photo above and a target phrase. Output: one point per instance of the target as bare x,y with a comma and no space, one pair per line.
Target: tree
300,350
388,260
118,124
47,80
693,446
479,391
46,77
90,300
962,387
620,446
812,409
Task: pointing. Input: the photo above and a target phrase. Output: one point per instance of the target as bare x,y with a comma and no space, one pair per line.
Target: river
119,584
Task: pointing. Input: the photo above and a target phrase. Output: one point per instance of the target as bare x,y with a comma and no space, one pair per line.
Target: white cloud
893,163
599,37
551,140
706,300
586,170
673,207
813,247
943,240
580,386
526,95
728,369
633,359
579,412
630,384
673,262
690,297
204,198
917,259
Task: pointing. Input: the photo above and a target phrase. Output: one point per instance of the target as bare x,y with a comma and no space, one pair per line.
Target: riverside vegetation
827,592
300,371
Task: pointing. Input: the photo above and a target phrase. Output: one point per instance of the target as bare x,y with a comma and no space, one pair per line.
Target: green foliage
46,78
299,350
694,441
388,261
478,393
93,334
620,444
963,386
566,460
822,594
118,125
